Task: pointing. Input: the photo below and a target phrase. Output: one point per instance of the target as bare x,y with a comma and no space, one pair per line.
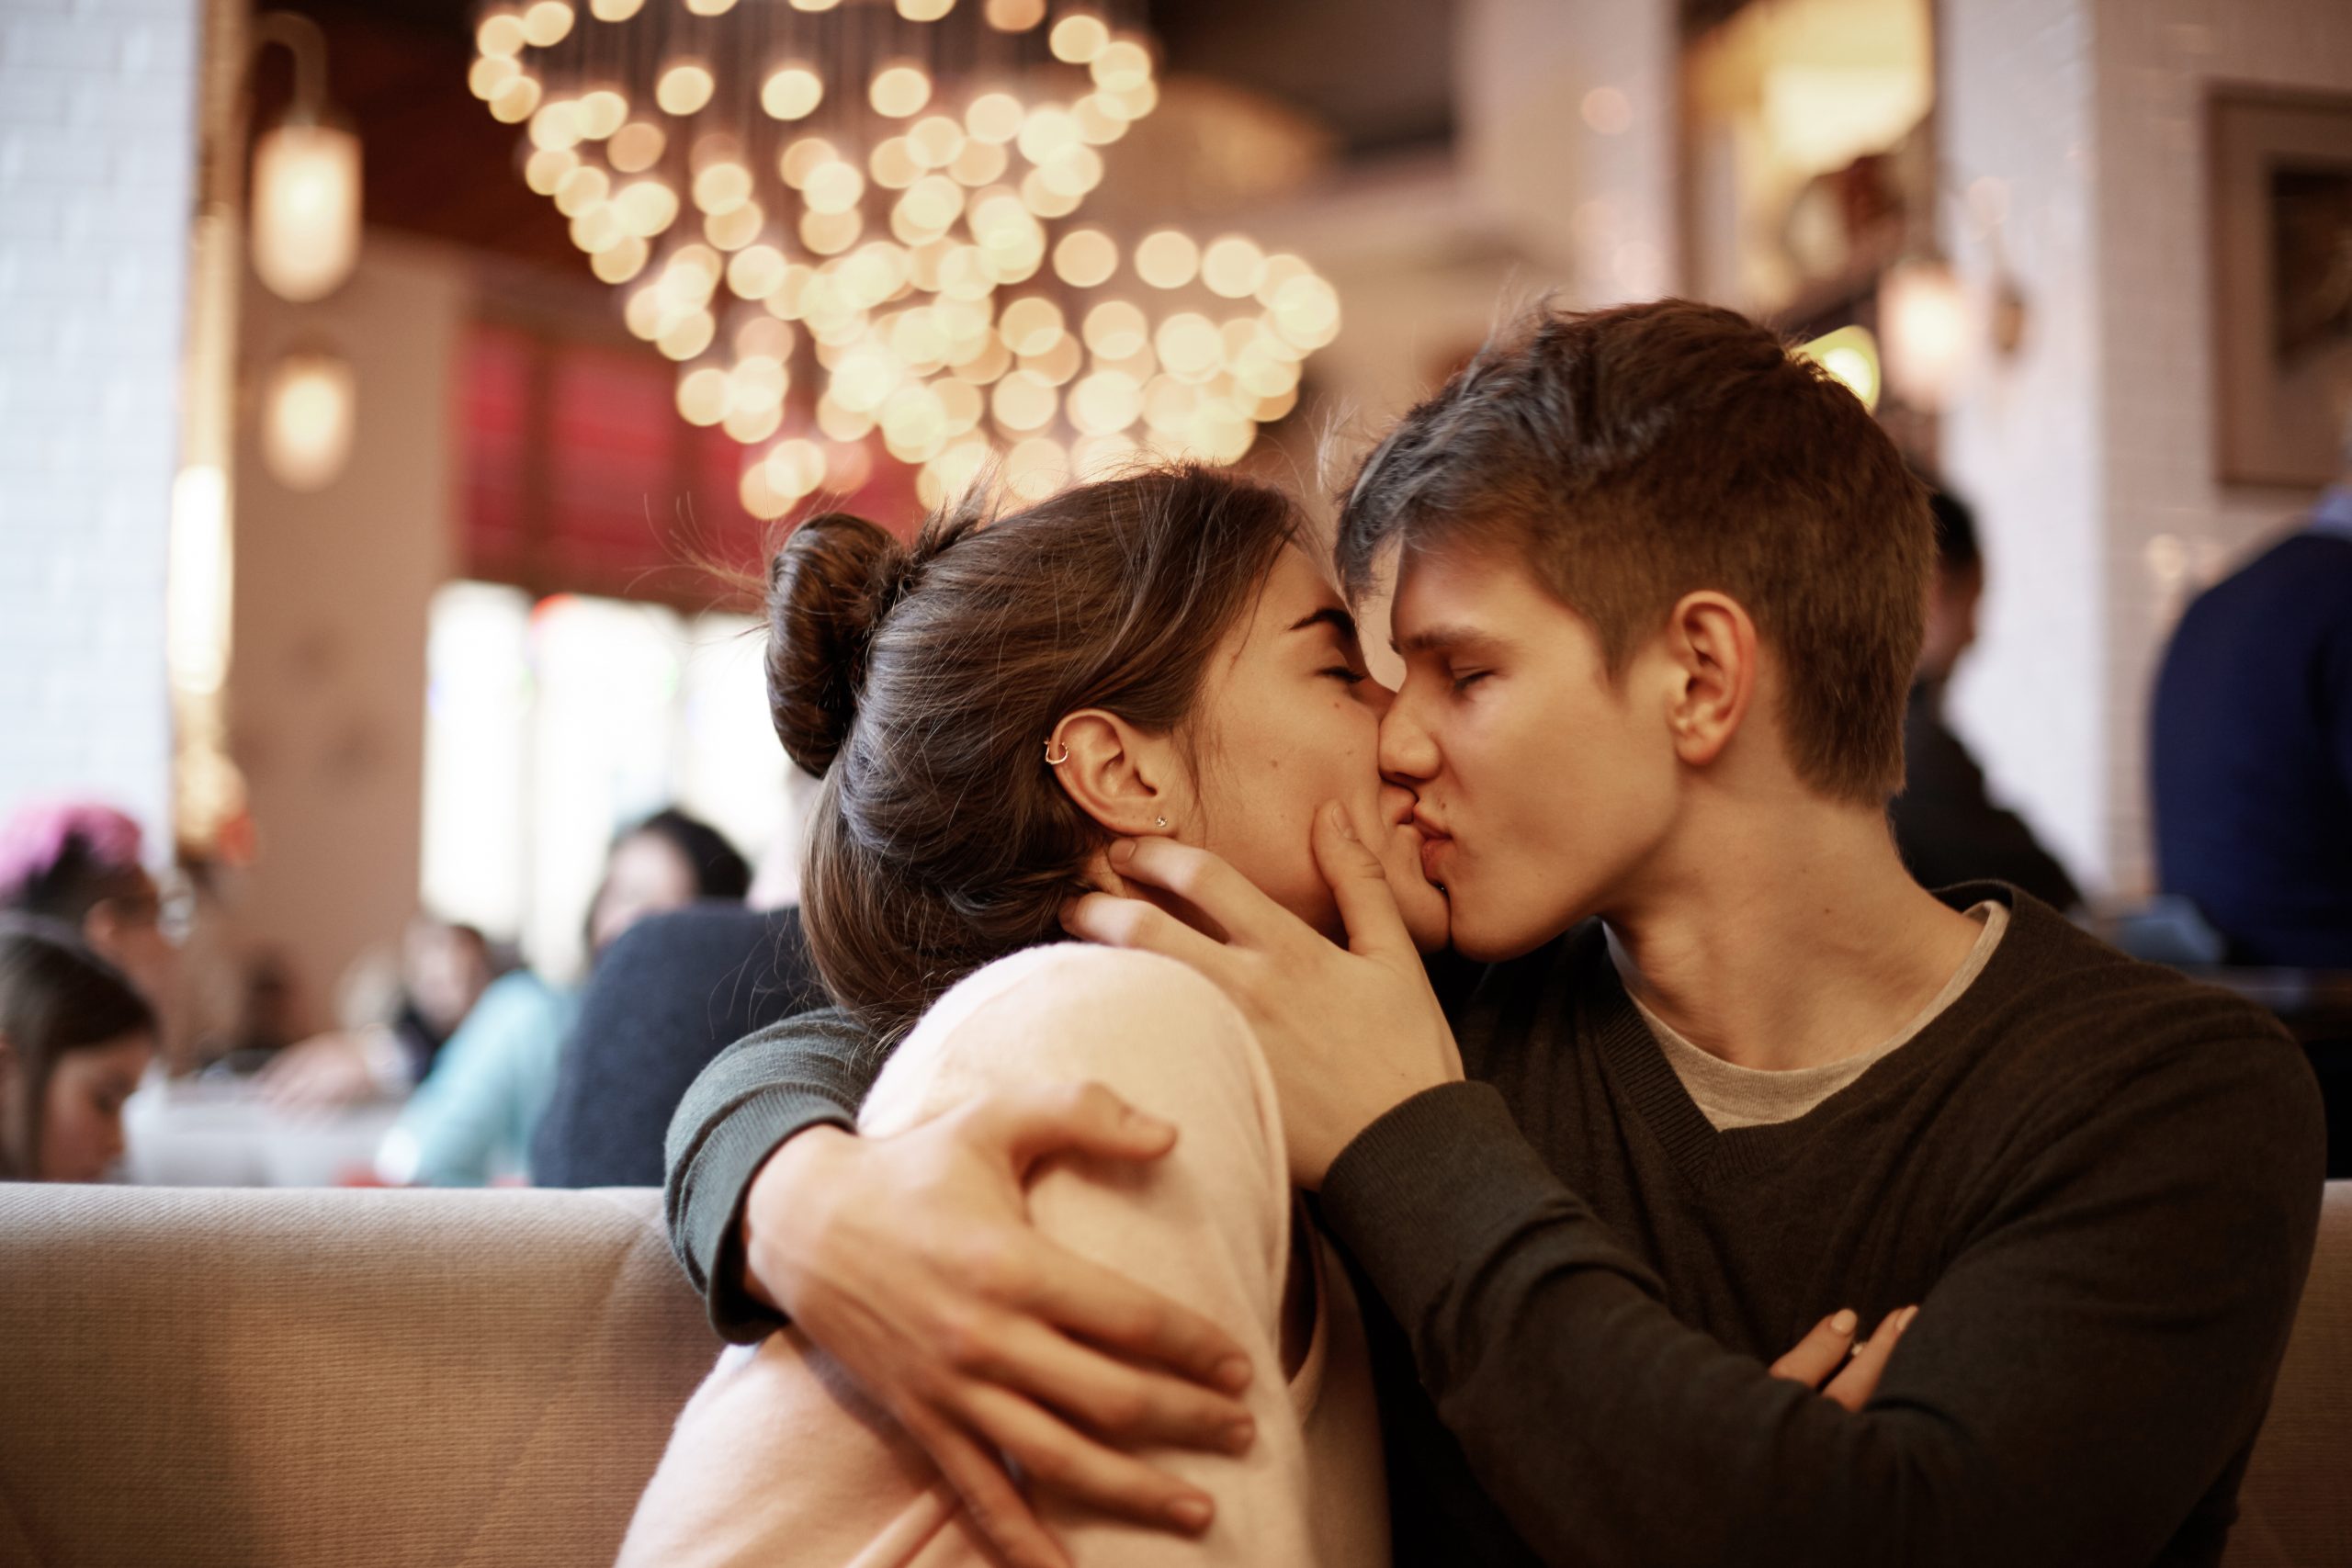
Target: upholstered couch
484,1380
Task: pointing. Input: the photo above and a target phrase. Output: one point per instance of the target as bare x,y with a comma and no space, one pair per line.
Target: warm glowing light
1015,16
1117,328
614,10
645,207
556,126
636,147
792,92
1106,401
1306,311
722,187
603,111
1078,38
925,10
833,188
980,162
735,227
831,233
994,117
513,104
305,207
1085,257
684,88
935,141
1166,258
711,7
596,229
620,261
1024,400
1036,468
543,169
899,90
307,419
687,336
500,33
546,24
702,396
892,165
491,73
1121,67
1189,347
584,187
1849,354
1232,266
1925,319
1030,324
804,158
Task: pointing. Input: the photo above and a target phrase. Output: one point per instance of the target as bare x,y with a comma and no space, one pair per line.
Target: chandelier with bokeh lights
874,205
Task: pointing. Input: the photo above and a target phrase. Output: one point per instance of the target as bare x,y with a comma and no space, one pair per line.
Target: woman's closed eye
1345,675
1464,679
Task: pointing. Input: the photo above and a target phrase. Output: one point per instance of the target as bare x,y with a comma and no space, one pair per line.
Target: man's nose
1406,750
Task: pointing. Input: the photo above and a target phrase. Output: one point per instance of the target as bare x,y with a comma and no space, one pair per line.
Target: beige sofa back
325,1379
465,1379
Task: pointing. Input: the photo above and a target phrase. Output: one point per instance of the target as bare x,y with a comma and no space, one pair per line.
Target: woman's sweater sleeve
807,1071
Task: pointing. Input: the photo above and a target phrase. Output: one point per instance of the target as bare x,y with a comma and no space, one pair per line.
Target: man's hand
1351,1032
912,1261
1830,1350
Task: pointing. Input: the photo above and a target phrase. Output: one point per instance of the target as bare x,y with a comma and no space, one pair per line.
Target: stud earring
1159,822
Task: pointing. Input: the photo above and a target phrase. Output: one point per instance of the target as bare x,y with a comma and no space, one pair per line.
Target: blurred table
197,1134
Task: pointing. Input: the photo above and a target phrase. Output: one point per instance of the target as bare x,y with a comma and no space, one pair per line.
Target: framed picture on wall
2281,200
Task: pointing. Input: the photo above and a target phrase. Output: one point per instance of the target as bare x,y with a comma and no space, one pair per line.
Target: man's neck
1786,939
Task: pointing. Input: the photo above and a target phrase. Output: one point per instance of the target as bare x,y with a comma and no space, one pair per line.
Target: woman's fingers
1853,1387
1820,1352
1057,1456
1124,1404
978,1476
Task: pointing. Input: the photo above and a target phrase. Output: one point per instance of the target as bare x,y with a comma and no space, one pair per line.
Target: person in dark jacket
1945,824
2250,747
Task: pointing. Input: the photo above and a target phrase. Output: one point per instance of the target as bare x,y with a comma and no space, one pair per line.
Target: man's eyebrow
1447,640
1330,615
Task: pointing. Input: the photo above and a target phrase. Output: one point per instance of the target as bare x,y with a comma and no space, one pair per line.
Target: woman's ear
1712,640
1129,780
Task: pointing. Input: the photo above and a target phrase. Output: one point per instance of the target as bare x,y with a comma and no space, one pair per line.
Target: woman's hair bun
829,587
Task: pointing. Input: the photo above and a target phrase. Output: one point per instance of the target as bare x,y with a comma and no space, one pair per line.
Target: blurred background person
444,967
75,1038
668,996
473,1117
78,861
2250,746
1946,824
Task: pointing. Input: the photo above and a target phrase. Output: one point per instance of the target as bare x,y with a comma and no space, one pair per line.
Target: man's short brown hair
1639,454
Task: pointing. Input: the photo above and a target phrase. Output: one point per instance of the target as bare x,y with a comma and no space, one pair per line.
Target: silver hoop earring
1052,761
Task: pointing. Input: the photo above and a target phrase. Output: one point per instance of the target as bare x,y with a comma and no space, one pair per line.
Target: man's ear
1711,641
1128,780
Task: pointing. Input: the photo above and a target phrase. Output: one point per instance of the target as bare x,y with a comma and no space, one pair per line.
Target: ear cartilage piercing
1052,761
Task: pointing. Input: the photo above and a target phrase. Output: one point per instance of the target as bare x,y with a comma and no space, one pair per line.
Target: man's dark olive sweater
2101,1181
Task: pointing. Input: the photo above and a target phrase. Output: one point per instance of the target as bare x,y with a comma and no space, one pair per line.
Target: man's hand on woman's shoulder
911,1261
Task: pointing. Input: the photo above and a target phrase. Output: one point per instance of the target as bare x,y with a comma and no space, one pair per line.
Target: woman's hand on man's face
912,1261
1350,1032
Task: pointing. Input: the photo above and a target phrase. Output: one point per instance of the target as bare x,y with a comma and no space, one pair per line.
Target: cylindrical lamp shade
305,209
307,408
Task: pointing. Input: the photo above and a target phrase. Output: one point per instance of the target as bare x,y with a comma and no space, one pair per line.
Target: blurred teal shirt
472,1118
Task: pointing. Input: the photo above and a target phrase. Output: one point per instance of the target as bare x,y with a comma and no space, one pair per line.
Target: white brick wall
2021,437
97,145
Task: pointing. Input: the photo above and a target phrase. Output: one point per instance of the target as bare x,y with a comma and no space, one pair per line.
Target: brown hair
56,996
922,684
1638,454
